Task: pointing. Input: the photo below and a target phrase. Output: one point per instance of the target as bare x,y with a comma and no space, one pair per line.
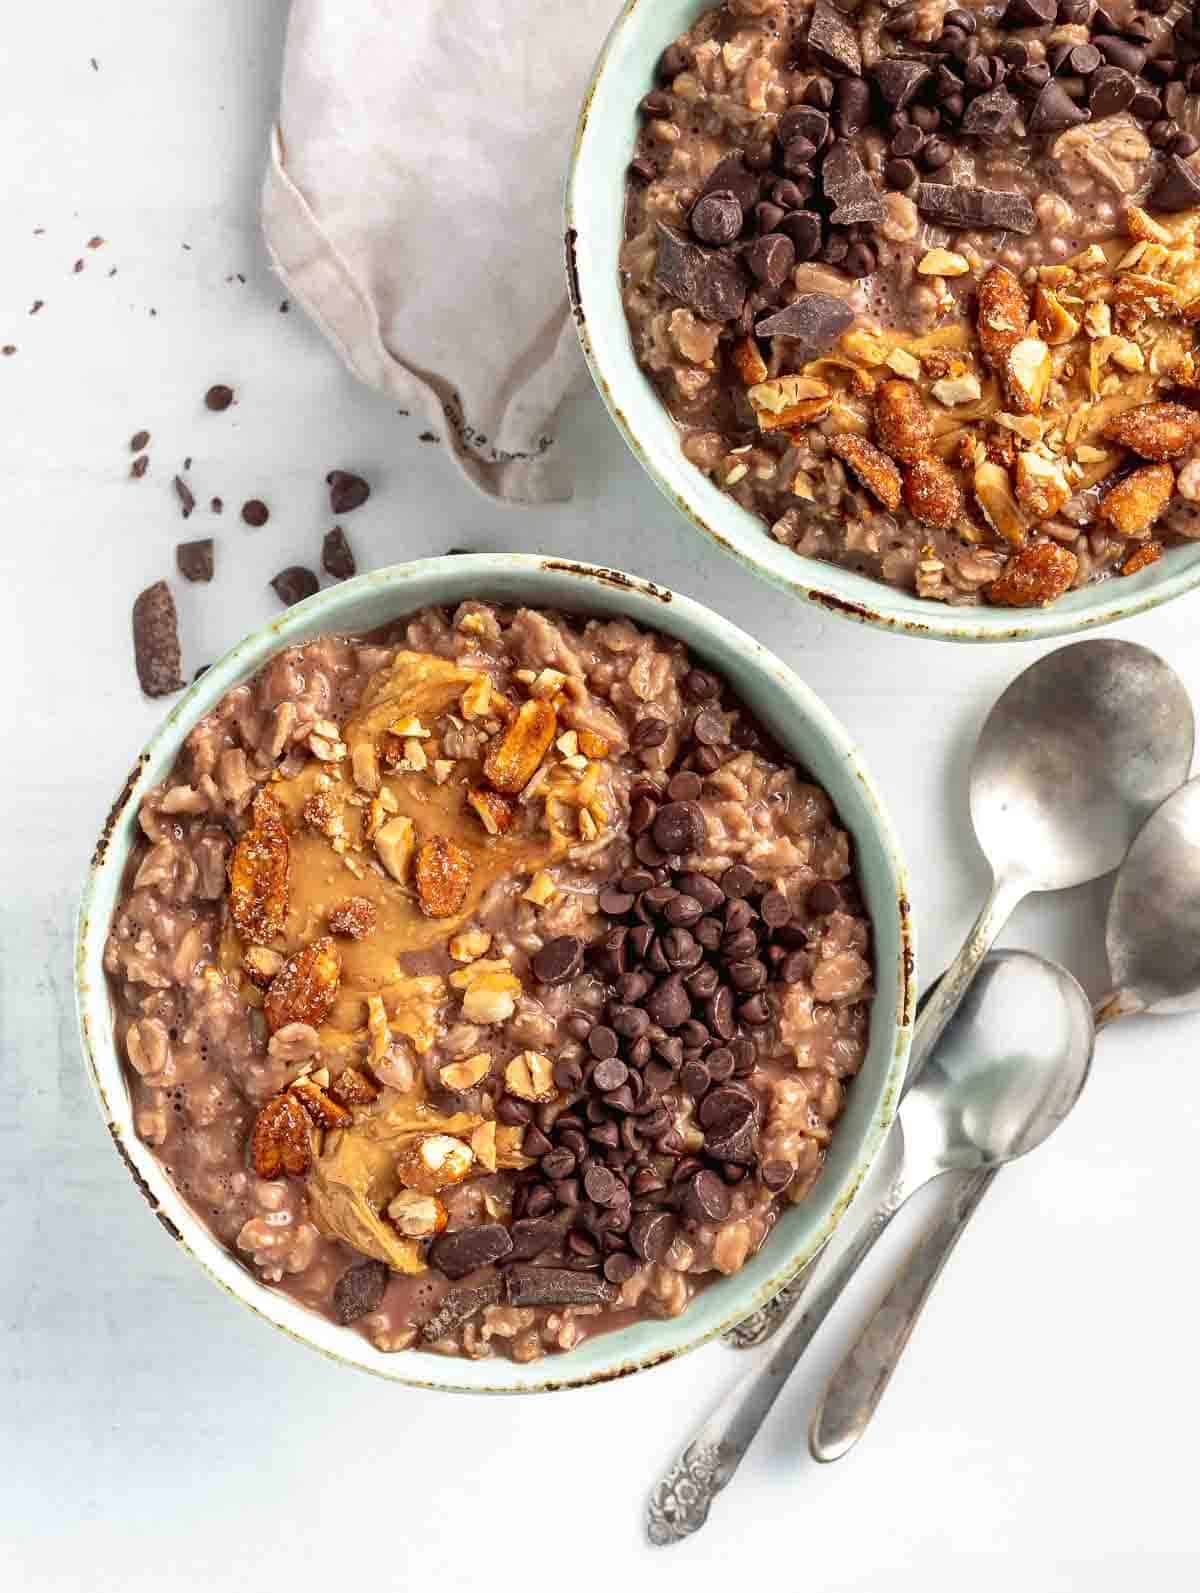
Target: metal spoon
1074,756
1008,1070
1153,942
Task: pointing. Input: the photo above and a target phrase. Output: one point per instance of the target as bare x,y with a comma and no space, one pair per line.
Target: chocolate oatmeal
490,982
919,283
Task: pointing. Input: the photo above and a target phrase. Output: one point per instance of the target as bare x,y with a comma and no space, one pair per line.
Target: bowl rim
571,586
609,356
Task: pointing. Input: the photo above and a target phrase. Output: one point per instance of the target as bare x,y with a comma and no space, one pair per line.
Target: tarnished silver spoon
1007,1071
1153,943
1073,758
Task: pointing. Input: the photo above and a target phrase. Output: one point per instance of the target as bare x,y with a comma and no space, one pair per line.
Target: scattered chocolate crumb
346,492
138,441
187,463
9,348
187,500
284,307
37,305
95,64
156,641
218,398
294,584
255,513
428,436
451,551
78,267
337,556
113,272
139,466
96,243
217,506
203,670
195,559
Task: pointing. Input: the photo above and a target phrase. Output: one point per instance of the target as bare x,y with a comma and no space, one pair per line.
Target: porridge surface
489,982
982,215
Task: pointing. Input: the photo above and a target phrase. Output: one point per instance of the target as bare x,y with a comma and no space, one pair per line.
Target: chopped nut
531,1077
415,756
540,890
943,263
469,945
1097,319
464,978
1028,427
1003,314
352,1087
325,1113
483,1143
395,841
547,683
872,466
476,700
1155,431
568,743
902,421
281,1141
904,364
364,765
1128,356
592,745
1133,505
789,401
261,964
1028,368
408,728
496,813
417,1216
749,363
1139,225
1035,576
1054,321
305,988
955,390
465,1075
443,768
1087,455
328,751
1041,486
258,873
491,998
434,1162
932,493
1001,509
859,344
355,918
512,761
443,873
1147,553
1089,259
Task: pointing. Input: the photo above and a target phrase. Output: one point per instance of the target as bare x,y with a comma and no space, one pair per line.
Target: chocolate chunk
459,1306
359,1290
337,557
952,206
255,513
346,492
458,1253
732,176
710,283
1110,90
815,320
558,960
989,114
195,559
898,79
707,1198
156,641
218,398
853,197
833,40
651,1233
187,499
294,584
557,1286
717,217
804,121
1178,188
1054,110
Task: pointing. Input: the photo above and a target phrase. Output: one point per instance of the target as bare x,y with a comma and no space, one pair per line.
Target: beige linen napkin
413,205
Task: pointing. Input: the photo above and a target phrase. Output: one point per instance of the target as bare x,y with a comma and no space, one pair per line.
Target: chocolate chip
1083,59
602,1042
139,441
218,398
649,732
359,1290
294,584
803,227
682,911
852,109
710,284
668,1002
678,828
558,960
731,176
990,114
771,259
898,79
718,1013
709,729
1029,13
461,1252
707,1198
737,881
346,492
532,1286
833,40
936,154
717,217
255,513
900,174
600,1185
954,206
852,196
1033,78
619,1268
139,467
512,1112
1178,187
776,1175
756,1011
535,1143
861,260
719,1063
337,559
651,1233
609,1073
156,651
824,897
797,157
1185,144
1053,111
908,141
1123,53
1145,104
1110,90
803,121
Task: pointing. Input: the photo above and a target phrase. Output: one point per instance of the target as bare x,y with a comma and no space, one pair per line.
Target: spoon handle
684,1495
857,1386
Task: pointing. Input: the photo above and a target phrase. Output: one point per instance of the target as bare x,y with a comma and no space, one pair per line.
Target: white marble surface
154,1434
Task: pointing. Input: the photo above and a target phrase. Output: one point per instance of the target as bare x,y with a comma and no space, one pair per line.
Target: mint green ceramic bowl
594,219
801,724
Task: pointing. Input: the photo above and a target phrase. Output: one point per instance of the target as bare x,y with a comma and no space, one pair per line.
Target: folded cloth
413,206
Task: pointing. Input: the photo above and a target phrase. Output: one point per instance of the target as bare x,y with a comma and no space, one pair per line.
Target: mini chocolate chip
614,903
756,1011
707,1198
748,975
717,218
606,1134
629,1022
619,1267
641,814
771,260
803,227
703,982
1145,105
649,732
631,987
1110,90
682,911
600,1185
775,909
461,1252
685,786
819,92
695,1079
558,961
1084,59
740,944
609,1074
568,1075
699,685
556,1164
824,897
346,492
739,914
681,950
719,1063
1055,110
672,62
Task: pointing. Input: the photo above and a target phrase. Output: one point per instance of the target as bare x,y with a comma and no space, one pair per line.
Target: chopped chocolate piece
218,398
833,40
852,196
359,1291
952,206
460,1305
346,492
1178,188
1111,89
1054,110
255,513
139,466
533,1236
156,641
557,1286
337,557
461,1252
138,441
294,584
717,217
732,176
990,114
195,559
711,284
187,500
804,121
852,108
898,79
815,321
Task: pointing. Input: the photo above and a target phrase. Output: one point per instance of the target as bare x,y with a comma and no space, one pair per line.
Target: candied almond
325,1113
749,363
1035,576
305,988
434,1162
1003,313
1155,431
994,493
443,873
932,493
1041,486
514,758
1146,553
530,1075
1028,368
496,813
279,1141
904,424
871,465
417,1216
355,918
352,1087
1133,505
258,873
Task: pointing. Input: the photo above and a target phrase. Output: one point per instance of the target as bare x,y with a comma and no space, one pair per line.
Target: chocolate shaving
156,641
952,206
458,1307
853,197
710,283
1178,188
833,41
557,1286
814,320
